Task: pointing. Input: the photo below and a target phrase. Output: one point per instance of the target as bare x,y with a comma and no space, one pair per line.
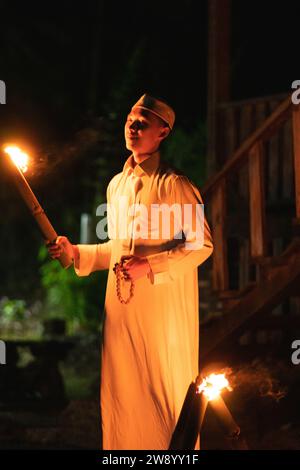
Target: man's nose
134,126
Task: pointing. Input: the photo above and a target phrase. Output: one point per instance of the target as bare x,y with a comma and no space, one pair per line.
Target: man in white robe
150,344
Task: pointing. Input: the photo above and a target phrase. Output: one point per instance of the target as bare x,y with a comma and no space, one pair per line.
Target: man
150,344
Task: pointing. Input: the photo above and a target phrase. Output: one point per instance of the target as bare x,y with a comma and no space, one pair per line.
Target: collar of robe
147,167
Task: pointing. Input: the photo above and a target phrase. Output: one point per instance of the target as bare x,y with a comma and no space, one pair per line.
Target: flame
212,386
17,155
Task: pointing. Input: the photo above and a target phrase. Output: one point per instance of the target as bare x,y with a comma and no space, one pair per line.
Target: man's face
144,131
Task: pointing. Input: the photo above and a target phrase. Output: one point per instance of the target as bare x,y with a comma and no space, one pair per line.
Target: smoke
256,379
46,162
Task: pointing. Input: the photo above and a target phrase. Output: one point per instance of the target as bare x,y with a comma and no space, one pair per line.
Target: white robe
150,346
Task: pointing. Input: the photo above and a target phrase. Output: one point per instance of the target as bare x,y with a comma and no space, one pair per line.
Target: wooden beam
220,262
218,73
230,126
257,202
296,139
274,176
246,127
288,171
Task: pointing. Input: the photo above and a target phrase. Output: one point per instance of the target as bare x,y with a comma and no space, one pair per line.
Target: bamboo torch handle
45,226
231,428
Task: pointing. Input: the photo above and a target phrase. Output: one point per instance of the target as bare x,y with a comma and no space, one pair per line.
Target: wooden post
257,201
287,155
296,139
274,174
220,263
218,73
230,125
246,127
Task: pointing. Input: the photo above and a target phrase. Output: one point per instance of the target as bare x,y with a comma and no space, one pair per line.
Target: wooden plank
278,247
231,130
257,202
218,73
254,101
244,263
260,113
246,126
296,141
287,155
220,263
273,163
246,123
239,157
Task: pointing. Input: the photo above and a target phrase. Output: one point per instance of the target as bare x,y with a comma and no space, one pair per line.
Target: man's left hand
136,266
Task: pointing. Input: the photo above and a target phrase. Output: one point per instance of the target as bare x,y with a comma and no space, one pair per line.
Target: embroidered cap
157,107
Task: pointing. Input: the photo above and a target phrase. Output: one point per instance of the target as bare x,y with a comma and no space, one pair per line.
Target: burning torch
18,164
202,392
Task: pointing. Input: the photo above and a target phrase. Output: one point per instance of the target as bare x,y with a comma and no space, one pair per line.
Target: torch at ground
186,433
201,393
225,417
16,159
211,387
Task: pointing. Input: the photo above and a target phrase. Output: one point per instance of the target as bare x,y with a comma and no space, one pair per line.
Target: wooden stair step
236,293
249,309
230,297
268,266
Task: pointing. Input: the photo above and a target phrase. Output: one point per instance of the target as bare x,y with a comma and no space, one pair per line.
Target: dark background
72,71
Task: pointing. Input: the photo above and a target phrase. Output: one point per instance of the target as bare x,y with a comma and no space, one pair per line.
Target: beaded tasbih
122,274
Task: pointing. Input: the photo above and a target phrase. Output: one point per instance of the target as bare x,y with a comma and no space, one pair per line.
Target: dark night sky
48,57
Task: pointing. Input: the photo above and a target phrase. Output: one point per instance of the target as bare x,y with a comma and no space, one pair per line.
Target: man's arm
86,258
90,258
191,252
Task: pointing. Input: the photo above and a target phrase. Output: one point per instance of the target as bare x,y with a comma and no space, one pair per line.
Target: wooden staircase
276,276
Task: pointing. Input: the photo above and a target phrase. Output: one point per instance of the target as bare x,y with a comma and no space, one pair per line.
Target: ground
263,402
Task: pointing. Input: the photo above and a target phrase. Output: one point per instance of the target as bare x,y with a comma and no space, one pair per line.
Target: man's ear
164,132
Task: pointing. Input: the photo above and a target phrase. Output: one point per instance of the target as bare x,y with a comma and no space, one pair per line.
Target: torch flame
17,155
212,386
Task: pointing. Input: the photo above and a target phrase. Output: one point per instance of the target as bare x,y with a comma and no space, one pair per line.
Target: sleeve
196,244
94,257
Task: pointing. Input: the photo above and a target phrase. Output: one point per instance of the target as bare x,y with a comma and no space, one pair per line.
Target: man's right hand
61,245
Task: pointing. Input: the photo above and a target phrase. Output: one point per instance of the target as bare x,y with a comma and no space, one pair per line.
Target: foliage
186,152
13,309
78,300
17,319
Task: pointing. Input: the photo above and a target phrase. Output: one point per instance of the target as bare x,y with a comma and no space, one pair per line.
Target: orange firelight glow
17,155
212,386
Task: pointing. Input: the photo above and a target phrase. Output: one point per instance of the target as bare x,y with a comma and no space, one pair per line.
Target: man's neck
140,157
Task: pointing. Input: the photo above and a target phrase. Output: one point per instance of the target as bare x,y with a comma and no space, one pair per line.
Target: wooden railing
248,161
238,119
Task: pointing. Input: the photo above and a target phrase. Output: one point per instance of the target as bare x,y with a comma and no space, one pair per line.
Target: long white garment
150,346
